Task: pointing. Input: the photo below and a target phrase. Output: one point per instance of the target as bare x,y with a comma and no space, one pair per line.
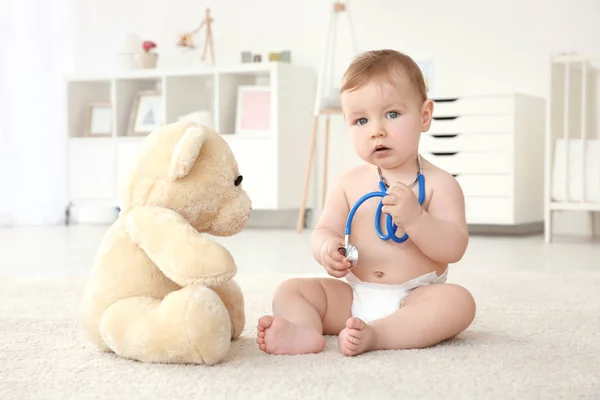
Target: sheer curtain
36,50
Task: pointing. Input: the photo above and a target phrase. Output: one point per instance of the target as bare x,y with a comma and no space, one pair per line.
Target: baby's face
385,122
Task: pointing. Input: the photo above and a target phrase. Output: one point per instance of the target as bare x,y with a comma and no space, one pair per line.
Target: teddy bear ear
186,152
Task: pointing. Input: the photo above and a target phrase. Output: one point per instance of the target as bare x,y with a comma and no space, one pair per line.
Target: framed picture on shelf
147,113
253,111
99,120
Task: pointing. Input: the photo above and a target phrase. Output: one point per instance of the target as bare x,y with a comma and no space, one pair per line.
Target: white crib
572,159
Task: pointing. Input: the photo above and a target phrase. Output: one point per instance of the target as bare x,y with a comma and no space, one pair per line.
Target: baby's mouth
380,148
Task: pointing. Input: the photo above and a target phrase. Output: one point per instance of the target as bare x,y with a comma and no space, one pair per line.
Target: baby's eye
392,114
360,121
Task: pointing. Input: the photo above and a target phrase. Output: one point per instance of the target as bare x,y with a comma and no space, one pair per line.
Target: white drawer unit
494,146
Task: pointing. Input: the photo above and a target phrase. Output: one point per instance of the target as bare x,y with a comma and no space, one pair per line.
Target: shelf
130,139
227,97
572,166
91,157
80,96
98,166
575,58
263,68
127,91
90,139
574,206
258,135
188,94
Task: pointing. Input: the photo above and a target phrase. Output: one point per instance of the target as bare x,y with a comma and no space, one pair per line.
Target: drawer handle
444,153
445,118
448,100
444,135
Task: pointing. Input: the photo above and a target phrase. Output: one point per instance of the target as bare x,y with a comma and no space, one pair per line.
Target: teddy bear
160,290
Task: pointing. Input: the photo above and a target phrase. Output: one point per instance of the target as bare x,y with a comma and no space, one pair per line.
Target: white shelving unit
96,165
572,159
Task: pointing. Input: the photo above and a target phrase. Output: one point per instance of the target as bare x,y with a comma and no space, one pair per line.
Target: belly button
378,274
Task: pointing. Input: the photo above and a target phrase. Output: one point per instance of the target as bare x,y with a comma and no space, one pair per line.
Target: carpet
535,336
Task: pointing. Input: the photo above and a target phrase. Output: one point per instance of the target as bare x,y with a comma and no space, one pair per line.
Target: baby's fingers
339,254
336,273
338,265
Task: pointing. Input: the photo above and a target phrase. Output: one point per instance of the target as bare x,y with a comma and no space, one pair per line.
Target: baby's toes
352,347
353,339
355,323
355,333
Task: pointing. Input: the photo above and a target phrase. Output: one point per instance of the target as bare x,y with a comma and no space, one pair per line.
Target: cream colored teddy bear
160,290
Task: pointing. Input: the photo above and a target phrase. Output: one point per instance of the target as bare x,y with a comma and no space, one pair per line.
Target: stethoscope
350,250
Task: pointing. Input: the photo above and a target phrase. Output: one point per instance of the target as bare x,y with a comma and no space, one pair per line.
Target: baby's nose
378,133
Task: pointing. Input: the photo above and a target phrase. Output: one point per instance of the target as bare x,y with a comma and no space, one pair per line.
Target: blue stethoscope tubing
389,222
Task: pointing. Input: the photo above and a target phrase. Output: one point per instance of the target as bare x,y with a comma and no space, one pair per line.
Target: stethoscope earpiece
350,251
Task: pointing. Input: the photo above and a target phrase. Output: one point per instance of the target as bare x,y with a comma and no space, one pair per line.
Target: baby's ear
427,115
186,152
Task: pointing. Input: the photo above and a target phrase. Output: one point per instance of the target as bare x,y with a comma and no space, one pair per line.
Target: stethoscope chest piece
350,251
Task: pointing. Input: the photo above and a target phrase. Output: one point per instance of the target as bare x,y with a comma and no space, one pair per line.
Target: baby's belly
387,261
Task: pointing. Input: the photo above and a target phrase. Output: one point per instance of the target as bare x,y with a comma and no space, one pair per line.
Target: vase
146,60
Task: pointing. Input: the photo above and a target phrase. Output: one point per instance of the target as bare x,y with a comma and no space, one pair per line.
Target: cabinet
97,166
494,146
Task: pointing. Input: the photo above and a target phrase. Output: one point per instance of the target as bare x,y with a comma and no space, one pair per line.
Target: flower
148,45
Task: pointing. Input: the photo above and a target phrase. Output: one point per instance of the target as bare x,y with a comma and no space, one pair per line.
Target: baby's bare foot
279,336
356,338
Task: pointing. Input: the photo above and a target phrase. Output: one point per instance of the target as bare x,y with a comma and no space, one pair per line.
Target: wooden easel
186,39
338,8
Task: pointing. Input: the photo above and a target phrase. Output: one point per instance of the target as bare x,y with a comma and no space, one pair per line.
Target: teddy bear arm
182,253
233,298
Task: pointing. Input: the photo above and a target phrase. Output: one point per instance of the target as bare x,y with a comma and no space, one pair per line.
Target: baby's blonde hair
386,64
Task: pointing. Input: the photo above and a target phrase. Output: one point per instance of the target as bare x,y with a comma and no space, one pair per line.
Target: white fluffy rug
535,337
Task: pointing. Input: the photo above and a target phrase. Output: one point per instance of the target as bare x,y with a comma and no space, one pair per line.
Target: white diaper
373,301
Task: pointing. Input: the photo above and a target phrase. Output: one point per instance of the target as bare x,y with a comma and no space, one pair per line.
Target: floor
535,335
69,251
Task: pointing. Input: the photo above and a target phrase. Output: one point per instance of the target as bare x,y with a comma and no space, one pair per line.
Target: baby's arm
441,232
332,221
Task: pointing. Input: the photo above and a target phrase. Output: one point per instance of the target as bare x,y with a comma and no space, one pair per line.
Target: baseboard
533,228
277,219
260,219
288,219
91,214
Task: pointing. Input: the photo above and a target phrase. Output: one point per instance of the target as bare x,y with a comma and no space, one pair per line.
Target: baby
396,296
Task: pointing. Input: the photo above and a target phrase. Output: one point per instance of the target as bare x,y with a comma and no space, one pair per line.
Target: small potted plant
148,58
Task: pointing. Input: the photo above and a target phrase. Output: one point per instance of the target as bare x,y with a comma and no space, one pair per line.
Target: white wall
477,46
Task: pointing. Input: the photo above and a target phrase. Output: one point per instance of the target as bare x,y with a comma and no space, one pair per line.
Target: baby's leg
430,315
303,310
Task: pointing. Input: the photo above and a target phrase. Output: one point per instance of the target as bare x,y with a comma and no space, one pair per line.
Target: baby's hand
335,263
402,204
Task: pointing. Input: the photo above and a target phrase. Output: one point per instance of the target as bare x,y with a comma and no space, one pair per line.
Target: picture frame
253,110
147,113
99,121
